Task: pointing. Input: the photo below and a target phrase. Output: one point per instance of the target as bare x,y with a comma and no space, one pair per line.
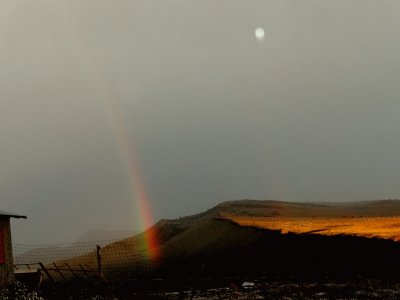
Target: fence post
99,264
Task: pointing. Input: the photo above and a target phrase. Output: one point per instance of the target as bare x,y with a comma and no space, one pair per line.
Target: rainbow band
138,190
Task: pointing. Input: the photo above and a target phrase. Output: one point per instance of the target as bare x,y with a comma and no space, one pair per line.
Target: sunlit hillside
368,219
383,227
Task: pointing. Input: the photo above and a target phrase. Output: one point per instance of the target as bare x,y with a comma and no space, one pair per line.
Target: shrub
17,291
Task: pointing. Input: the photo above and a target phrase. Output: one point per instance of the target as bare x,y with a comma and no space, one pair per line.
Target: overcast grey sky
310,113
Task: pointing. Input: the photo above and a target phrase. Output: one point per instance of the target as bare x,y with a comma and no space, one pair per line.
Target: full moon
259,33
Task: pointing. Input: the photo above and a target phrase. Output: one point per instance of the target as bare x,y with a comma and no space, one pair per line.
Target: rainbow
138,190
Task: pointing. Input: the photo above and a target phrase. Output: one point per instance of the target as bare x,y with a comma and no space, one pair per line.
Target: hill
231,238
269,208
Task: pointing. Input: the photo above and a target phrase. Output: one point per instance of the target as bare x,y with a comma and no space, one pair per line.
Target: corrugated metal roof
11,215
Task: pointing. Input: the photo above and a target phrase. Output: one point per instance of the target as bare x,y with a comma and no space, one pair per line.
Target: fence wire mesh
49,253
110,259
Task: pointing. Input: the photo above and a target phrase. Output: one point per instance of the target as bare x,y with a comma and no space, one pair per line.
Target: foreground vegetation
261,288
18,291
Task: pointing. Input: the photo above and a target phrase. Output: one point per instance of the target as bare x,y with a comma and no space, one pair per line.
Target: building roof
11,215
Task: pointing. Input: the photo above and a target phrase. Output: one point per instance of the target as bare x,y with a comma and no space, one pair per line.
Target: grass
382,227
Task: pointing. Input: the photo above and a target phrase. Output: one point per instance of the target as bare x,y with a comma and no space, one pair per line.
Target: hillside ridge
221,236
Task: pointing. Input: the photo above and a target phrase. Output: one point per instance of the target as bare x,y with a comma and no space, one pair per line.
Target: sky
107,107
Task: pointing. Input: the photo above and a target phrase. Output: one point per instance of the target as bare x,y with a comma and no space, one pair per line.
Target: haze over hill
103,235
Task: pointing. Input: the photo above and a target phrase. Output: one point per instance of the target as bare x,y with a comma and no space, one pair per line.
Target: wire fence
108,259
49,253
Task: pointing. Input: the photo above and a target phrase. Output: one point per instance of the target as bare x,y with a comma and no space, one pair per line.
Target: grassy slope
367,219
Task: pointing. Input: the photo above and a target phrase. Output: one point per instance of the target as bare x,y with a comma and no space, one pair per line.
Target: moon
259,33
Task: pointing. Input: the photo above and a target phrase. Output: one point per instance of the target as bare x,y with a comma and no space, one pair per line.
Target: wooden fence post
99,262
